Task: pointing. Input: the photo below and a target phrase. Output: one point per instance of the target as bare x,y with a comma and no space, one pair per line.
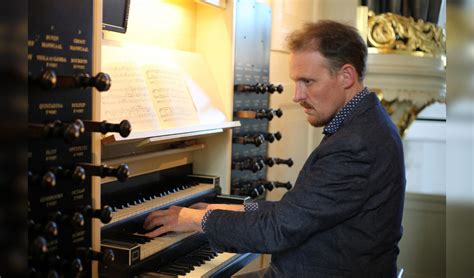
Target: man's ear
348,75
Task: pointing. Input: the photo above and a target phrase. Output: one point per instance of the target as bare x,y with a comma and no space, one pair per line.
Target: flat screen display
115,15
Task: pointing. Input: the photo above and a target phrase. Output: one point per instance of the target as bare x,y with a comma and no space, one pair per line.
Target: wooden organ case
95,170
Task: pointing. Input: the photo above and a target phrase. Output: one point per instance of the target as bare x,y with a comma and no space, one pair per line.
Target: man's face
320,92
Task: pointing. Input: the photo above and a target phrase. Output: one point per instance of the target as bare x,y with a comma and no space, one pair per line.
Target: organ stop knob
69,131
48,80
123,128
121,172
104,214
106,257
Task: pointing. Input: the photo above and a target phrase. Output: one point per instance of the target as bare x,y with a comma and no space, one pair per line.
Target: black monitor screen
115,15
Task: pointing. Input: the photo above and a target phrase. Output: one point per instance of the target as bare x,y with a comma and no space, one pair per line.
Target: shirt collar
342,114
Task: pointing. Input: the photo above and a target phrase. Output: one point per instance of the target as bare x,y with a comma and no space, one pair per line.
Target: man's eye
308,82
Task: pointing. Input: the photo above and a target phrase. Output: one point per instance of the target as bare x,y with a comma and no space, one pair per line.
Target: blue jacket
343,216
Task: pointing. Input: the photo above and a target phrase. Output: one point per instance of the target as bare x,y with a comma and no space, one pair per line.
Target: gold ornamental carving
402,111
392,32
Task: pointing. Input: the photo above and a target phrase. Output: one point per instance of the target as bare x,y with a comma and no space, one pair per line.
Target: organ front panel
61,87
252,90
63,151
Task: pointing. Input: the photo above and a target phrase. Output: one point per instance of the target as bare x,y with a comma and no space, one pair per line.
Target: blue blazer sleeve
331,187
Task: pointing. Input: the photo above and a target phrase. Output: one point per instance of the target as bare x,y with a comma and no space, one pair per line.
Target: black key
141,238
129,237
120,237
175,270
206,253
189,261
142,231
202,257
168,274
183,265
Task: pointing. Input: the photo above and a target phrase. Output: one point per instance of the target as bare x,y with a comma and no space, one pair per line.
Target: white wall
425,152
423,244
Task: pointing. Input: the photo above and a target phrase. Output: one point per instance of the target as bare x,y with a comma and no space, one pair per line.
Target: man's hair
339,43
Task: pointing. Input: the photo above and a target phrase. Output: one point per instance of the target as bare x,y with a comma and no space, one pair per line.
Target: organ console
80,228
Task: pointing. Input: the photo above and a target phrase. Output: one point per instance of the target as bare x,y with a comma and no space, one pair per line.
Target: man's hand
176,219
218,206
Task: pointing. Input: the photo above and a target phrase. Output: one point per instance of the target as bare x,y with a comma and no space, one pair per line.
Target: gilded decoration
402,111
388,32
406,64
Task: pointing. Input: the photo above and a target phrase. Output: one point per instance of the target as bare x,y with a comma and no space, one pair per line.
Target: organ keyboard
130,248
174,254
202,262
160,200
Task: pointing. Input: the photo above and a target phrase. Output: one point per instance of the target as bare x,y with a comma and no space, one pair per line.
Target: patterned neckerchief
336,122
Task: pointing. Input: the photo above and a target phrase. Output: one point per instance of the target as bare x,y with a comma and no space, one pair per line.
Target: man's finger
152,216
158,221
199,205
161,230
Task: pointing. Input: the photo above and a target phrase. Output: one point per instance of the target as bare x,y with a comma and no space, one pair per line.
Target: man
343,216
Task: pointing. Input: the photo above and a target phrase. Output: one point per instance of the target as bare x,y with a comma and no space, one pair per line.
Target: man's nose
299,94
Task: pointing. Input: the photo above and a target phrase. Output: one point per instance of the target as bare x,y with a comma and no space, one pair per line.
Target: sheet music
158,89
128,97
171,98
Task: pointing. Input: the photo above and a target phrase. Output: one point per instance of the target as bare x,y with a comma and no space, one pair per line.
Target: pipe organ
94,172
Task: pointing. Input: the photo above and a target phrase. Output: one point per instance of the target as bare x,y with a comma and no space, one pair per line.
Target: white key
159,243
